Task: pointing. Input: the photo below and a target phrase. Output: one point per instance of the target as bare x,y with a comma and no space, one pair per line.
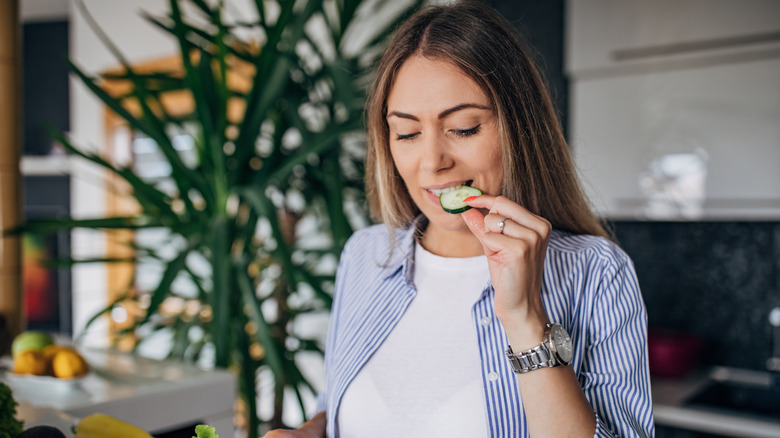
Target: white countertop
155,395
669,396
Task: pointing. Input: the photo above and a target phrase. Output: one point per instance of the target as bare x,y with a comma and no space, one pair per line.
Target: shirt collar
402,257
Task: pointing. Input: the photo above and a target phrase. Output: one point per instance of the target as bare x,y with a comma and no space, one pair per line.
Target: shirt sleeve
615,374
322,402
341,273
602,430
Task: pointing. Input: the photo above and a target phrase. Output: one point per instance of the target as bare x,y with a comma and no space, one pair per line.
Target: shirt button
485,321
493,376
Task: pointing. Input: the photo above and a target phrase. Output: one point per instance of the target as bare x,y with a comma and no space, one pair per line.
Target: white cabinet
621,34
698,80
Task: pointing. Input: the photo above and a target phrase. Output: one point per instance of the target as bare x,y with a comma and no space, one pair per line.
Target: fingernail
470,198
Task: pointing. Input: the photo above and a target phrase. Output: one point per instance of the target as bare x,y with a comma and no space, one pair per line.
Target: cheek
403,163
492,160
492,169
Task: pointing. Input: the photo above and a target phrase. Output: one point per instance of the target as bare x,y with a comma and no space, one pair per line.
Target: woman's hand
314,428
282,433
515,256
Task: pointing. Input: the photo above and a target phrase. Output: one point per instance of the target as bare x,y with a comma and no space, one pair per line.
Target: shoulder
376,246
596,271
369,262
372,239
372,234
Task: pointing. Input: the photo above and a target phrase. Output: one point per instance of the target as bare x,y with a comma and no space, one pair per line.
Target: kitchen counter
157,396
670,407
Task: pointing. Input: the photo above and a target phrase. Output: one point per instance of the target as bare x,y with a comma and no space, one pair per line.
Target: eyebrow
442,114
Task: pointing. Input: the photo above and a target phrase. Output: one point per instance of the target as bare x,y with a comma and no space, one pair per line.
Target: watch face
562,343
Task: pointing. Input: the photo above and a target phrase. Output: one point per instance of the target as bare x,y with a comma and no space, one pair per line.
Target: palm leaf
314,283
193,78
45,226
113,304
218,242
270,77
204,37
147,194
315,145
163,289
390,28
69,262
273,356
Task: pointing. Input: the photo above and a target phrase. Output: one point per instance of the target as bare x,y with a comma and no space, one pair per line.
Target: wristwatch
555,350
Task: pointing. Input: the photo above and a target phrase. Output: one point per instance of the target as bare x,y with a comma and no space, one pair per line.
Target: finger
504,207
475,221
481,201
493,224
513,234
517,259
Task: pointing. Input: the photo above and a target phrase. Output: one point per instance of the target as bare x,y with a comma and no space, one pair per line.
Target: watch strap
530,360
536,358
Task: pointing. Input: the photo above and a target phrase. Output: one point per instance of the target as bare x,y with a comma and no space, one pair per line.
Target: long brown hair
539,172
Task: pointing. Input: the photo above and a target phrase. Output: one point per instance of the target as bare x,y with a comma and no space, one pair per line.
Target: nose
435,156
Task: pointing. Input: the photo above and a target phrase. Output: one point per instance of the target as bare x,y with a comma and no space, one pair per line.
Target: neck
451,243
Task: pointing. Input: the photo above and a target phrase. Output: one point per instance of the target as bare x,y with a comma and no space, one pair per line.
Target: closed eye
402,137
466,132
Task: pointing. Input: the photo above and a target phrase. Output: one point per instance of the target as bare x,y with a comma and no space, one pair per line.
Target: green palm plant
240,204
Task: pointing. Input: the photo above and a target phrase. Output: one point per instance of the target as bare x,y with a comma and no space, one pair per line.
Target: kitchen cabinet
621,36
675,106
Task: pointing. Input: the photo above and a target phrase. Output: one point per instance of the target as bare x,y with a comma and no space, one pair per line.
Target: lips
448,187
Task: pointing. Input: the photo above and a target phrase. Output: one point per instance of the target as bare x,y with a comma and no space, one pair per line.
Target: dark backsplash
716,280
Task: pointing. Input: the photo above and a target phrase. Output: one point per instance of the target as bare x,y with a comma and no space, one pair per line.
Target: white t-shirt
425,379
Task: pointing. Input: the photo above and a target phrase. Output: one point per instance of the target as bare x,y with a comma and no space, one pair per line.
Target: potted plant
254,213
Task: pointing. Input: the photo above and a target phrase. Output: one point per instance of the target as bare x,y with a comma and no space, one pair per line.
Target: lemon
50,350
67,363
31,362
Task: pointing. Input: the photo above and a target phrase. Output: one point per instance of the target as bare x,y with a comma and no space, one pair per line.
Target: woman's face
443,132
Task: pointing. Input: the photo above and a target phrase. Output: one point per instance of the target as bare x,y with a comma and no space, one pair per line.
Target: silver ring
501,225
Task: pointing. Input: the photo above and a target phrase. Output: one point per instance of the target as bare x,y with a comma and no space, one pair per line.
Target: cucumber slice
452,201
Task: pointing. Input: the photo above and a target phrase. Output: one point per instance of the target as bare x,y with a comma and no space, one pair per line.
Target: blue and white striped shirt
590,288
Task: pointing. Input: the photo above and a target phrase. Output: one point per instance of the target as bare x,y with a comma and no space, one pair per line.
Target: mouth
448,187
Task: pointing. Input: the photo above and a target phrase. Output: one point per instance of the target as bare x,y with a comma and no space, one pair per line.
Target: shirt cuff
602,430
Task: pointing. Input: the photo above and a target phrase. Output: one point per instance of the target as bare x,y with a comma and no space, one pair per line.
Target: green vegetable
452,198
10,427
203,431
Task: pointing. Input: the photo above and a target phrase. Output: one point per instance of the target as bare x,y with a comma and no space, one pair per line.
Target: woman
432,308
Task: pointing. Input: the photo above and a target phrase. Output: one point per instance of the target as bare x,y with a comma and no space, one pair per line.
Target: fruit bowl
43,383
35,382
